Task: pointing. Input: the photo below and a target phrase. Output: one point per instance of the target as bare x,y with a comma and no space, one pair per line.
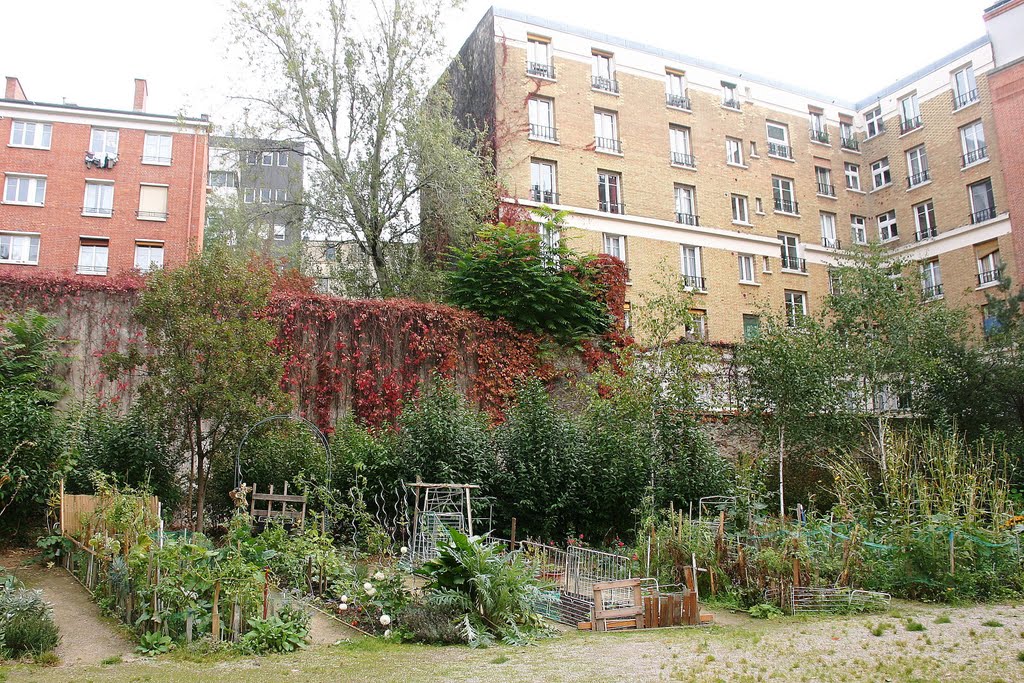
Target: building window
873,122
880,175
223,179
543,183
282,158
266,195
910,114
280,231
753,149
99,199
858,229
965,88
931,279
103,141
92,256
19,248
972,142
267,158
679,143
156,149
615,245
690,268
758,206
697,328
824,177
675,90
686,205
734,151
603,73
846,135
280,196
729,98
747,274
740,214
988,268
20,189
796,307
249,195
917,166
152,203
785,198
819,130
609,192
538,58
828,231
252,157
606,132
751,326
542,119
924,221
550,239
31,134
790,249
778,140
149,255
852,176
887,229
627,316
983,203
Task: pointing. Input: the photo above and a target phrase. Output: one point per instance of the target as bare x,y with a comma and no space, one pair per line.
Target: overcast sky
88,52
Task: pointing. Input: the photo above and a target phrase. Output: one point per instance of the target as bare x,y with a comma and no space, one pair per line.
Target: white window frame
729,95
266,159
972,140
153,149
41,134
679,143
154,215
740,209
931,277
783,141
969,85
846,130
910,109
675,84
734,152
538,51
98,210
748,270
917,165
615,245
249,195
281,158
541,113
792,297
543,180
266,195
790,249
852,172
280,231
686,201
605,185
988,195
858,229
880,170
823,176
874,123
690,267
34,186
988,264
781,187
924,220
90,261
144,256
27,242
818,124
888,229
100,141
606,127
829,238
602,65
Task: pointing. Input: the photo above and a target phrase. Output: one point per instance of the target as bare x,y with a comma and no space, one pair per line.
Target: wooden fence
78,513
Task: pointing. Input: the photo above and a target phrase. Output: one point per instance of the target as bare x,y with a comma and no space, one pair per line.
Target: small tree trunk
782,493
881,444
200,481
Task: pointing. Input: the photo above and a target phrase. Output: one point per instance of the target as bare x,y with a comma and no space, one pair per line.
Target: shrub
26,624
765,611
154,643
286,631
431,623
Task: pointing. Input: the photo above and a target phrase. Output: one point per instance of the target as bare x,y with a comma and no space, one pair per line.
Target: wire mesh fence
811,600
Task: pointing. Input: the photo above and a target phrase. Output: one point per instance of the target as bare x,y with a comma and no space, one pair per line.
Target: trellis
437,507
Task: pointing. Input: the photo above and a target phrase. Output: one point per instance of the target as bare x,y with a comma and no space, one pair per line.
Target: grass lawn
911,642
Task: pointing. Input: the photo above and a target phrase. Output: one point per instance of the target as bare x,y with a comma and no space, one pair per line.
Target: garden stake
266,589
215,621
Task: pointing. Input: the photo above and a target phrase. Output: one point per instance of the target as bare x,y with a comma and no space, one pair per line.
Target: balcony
931,291
831,243
961,101
927,233
151,215
102,211
680,159
781,151
677,101
608,145
544,196
907,125
696,282
541,70
611,207
820,136
918,178
687,218
787,206
604,84
546,133
973,157
850,144
731,104
826,190
985,214
797,265
988,277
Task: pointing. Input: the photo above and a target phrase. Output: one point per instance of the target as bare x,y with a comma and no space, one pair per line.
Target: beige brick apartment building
745,187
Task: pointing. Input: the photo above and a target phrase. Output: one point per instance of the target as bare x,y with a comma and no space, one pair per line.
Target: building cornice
43,111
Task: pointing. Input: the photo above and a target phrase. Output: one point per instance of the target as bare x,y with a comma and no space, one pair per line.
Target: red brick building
98,191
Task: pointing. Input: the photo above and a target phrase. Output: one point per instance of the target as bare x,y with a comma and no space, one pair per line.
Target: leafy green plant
26,623
914,625
154,643
277,634
765,611
53,547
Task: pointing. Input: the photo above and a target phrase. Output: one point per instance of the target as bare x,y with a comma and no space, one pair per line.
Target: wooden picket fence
78,513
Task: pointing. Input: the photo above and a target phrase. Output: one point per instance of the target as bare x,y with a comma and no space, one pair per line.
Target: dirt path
86,637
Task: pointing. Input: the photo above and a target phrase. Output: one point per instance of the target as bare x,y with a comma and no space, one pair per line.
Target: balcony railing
687,218
988,277
604,84
162,161
541,69
850,143
151,215
961,101
974,156
540,132
776,149
786,206
907,125
696,282
677,101
681,159
92,270
826,190
985,214
831,243
105,212
918,178
931,291
820,136
611,207
927,233
793,263
731,104
545,196
608,145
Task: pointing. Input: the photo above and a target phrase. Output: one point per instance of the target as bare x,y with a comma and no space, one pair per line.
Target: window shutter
153,199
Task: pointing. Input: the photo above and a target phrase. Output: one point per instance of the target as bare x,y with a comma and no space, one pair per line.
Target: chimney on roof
141,91
14,91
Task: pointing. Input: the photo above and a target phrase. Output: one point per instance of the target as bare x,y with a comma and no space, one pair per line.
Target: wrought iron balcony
932,291
540,132
545,196
985,214
105,212
974,156
151,215
696,282
918,178
608,145
831,243
961,101
611,207
907,125
776,149
786,206
680,159
820,136
850,143
677,101
731,104
793,263
826,190
927,233
541,69
604,84
988,277
687,218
